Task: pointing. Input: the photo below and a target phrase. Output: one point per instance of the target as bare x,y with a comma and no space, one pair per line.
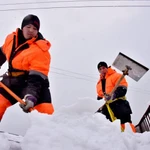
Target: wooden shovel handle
13,95
117,84
125,72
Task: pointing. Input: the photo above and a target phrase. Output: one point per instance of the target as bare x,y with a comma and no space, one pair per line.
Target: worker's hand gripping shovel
14,95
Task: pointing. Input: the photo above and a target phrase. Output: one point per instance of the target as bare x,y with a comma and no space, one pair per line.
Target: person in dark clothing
26,52
116,104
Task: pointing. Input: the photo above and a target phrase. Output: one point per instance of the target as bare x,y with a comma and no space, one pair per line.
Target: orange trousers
42,108
4,104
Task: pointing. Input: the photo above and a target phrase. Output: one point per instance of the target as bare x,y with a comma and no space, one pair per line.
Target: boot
122,127
133,127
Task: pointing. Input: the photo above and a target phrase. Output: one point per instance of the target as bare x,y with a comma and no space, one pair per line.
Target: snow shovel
135,71
129,67
13,94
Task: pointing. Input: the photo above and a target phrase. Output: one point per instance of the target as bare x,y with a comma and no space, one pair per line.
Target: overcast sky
80,38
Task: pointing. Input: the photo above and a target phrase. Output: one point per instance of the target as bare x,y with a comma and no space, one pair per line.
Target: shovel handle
125,72
13,95
118,82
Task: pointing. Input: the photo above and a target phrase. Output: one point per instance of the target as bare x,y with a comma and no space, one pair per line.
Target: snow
4,143
77,127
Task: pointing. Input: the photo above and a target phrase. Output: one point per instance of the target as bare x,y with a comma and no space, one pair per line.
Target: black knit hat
31,19
102,63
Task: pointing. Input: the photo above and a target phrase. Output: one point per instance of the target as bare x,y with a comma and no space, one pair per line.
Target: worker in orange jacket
119,105
28,57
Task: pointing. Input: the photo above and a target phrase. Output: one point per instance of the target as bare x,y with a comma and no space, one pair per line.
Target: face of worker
103,70
29,31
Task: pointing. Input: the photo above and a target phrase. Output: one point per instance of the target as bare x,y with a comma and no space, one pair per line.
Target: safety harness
112,116
12,71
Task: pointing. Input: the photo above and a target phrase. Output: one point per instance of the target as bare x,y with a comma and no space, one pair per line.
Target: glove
107,97
30,101
119,92
99,98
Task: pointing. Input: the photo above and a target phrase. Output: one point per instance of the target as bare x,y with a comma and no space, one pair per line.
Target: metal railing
144,124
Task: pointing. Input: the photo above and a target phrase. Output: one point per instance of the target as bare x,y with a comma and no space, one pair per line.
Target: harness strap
112,116
16,74
103,81
119,98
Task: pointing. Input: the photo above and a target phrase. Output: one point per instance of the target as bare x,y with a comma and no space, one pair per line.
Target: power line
94,81
73,1
73,76
139,90
73,7
88,76
77,7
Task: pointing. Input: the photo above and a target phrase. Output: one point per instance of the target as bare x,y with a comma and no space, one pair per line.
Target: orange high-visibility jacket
33,55
111,79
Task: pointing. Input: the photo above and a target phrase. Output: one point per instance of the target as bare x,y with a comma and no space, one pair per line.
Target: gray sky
81,38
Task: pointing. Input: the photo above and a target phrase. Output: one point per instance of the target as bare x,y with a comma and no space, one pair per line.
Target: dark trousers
121,110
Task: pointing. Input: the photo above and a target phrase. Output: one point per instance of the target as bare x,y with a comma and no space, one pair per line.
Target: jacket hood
40,41
43,44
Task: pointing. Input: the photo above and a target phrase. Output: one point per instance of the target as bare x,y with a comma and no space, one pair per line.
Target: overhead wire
88,76
139,90
68,1
72,6
73,76
76,7
64,73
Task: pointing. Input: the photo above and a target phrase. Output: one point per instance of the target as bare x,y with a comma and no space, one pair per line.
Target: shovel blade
137,70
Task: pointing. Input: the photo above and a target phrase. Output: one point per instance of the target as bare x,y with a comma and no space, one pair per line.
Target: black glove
99,98
30,101
119,92
107,97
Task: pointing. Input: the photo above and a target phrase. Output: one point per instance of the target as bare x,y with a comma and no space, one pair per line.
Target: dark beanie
31,19
102,63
